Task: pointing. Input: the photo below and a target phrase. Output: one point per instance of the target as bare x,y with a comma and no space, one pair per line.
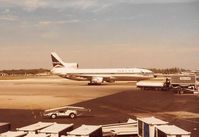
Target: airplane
97,76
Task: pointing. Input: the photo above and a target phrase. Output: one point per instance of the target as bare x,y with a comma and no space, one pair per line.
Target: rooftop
13,134
55,128
84,130
172,130
152,121
38,135
36,126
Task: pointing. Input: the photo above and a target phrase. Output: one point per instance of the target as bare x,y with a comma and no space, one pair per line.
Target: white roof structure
172,130
37,135
35,127
121,128
152,121
84,130
131,121
55,128
150,83
13,134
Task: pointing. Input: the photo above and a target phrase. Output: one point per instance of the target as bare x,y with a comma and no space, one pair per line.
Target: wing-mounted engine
110,79
71,65
96,81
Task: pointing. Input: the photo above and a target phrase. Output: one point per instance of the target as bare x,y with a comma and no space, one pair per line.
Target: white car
61,113
67,111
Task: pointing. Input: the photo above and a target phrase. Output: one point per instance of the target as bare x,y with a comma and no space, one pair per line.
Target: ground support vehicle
179,83
182,83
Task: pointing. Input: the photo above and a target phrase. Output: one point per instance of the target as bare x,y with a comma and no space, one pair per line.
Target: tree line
24,71
169,70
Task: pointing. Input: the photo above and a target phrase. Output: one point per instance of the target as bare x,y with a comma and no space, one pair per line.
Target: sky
100,33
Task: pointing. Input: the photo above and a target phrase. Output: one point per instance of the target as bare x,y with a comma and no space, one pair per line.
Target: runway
44,93
22,102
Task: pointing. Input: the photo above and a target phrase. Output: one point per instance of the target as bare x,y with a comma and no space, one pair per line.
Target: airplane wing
93,77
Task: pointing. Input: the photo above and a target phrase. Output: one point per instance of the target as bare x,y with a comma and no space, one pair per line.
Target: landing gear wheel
72,115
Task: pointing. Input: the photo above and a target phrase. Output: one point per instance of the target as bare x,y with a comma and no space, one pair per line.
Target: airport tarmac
22,102
45,93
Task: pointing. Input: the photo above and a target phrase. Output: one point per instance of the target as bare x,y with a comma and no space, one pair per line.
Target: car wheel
181,92
72,115
53,116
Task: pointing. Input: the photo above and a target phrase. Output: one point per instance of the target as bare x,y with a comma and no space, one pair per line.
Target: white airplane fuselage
97,76
100,75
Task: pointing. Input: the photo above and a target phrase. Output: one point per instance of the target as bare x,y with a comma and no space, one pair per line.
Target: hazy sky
100,33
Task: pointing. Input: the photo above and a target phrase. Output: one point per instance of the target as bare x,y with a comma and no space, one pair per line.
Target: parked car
66,111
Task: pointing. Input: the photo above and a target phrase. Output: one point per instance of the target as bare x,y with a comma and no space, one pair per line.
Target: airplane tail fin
56,60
